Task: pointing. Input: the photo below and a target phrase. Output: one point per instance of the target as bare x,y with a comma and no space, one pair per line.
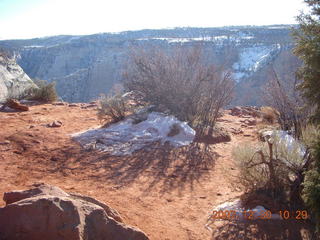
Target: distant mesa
85,66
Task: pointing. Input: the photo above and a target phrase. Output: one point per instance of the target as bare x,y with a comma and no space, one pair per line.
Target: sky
39,18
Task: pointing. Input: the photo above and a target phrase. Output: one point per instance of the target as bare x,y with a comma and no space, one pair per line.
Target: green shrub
113,108
311,184
309,135
311,193
44,92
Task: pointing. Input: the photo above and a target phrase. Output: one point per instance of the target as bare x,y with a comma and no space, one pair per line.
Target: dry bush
270,166
310,135
111,107
269,115
45,92
311,181
251,176
286,99
181,81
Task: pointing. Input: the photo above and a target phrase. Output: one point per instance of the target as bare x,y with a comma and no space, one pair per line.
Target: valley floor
167,194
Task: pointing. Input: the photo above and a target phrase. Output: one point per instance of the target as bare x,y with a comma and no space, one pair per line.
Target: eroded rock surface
47,212
13,80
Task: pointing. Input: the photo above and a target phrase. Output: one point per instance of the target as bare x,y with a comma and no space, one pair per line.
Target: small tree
311,184
285,98
307,49
181,81
307,37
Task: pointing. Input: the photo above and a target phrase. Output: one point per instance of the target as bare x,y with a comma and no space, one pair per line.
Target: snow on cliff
252,59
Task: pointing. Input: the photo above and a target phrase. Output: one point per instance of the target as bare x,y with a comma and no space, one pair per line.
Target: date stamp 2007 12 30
257,215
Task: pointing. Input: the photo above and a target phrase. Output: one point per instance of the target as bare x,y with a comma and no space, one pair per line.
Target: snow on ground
125,137
252,58
289,142
239,213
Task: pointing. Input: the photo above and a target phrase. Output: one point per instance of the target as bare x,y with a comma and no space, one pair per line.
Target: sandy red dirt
165,195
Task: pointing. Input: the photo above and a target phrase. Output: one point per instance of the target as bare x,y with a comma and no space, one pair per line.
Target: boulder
55,124
39,189
73,105
47,212
15,104
249,122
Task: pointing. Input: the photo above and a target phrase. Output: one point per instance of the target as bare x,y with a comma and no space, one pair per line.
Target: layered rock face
13,80
47,212
85,66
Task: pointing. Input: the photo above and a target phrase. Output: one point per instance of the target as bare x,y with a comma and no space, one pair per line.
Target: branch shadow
161,165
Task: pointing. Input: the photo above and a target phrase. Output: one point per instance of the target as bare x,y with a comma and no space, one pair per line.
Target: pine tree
307,37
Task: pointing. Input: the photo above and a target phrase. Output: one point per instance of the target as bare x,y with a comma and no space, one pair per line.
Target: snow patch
125,137
34,46
236,206
239,213
289,142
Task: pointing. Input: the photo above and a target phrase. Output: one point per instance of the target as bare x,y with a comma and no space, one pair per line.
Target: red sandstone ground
166,196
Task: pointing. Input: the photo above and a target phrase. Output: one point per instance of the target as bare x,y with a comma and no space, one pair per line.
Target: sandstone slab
47,212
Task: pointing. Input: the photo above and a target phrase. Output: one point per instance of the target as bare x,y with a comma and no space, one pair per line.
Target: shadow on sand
161,165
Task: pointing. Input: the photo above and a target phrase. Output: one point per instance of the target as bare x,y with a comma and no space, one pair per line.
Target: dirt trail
166,196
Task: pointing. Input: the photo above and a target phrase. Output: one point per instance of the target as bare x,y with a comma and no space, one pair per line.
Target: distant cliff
85,66
13,80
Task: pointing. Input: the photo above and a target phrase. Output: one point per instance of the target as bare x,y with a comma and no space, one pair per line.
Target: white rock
13,80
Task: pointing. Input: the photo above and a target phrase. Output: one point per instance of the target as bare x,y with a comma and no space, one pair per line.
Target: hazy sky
37,18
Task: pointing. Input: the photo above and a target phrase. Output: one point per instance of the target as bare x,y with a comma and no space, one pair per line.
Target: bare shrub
252,175
44,92
270,165
286,99
180,80
269,115
111,107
